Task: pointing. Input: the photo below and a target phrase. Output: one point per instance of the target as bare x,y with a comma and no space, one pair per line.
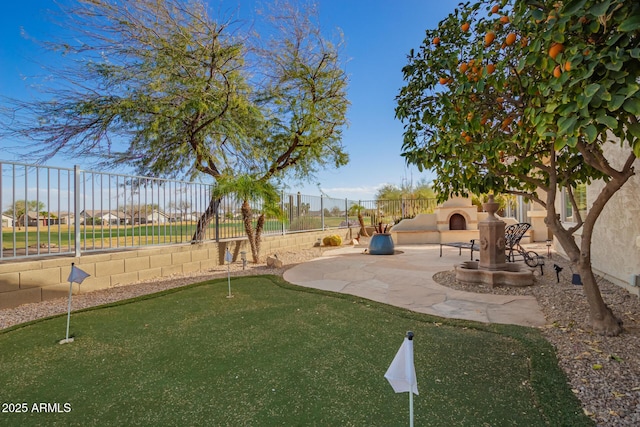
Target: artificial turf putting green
275,354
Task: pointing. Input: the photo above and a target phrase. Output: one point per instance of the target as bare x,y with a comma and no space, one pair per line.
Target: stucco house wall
616,237
615,247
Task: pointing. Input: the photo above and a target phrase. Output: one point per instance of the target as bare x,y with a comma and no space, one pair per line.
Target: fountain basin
513,275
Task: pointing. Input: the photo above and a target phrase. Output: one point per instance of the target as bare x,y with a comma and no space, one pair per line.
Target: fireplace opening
457,222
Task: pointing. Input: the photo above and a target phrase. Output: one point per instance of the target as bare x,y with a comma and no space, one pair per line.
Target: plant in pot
381,242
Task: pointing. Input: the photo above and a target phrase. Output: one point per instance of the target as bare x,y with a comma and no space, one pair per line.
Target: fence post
322,210
217,213
346,211
76,208
283,220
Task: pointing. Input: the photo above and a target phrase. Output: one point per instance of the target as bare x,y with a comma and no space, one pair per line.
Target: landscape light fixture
558,269
549,248
243,257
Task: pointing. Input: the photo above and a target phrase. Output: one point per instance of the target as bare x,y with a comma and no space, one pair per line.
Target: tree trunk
602,319
259,228
363,229
205,219
248,227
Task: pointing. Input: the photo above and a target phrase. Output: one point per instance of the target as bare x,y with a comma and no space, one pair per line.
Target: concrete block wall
28,281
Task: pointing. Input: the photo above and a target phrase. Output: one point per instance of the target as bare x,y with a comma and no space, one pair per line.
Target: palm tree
251,190
357,210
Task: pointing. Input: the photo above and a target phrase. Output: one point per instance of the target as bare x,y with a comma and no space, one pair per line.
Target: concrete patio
406,280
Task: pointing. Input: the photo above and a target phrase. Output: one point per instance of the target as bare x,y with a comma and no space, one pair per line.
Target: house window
580,194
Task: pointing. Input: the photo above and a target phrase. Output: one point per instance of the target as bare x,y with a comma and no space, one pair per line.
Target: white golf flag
77,275
402,373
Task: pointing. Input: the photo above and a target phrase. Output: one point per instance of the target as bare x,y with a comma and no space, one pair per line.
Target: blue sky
378,36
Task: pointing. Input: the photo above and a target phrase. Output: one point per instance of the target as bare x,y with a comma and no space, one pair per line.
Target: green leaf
613,65
600,9
616,102
538,15
559,144
566,125
572,7
632,105
608,121
591,90
591,133
632,23
596,367
634,129
636,147
628,89
635,53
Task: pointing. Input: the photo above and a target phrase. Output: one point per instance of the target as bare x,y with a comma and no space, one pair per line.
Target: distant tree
161,86
182,206
389,192
20,207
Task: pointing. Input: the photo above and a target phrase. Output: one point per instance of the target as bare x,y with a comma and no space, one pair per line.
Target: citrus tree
523,97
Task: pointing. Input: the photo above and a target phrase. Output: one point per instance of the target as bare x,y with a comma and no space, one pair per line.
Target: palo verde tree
163,87
522,97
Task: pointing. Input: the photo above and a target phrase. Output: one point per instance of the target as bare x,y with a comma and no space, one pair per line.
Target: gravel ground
604,372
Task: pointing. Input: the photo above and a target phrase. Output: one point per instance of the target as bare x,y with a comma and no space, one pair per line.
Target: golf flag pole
228,257
77,276
402,373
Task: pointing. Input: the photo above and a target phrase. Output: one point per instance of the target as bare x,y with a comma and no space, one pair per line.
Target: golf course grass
274,354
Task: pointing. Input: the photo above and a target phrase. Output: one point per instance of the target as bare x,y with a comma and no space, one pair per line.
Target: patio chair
512,236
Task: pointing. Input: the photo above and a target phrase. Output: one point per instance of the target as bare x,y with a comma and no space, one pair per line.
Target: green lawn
276,354
115,236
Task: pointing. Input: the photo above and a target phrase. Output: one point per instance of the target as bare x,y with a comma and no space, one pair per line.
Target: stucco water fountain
492,268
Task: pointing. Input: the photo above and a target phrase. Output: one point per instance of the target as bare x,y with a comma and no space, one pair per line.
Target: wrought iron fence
52,211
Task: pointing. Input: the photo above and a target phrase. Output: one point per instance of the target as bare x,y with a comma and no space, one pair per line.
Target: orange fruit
491,68
500,100
465,27
511,38
495,9
489,38
484,121
463,67
557,72
444,80
436,41
467,138
567,66
555,49
524,41
463,134
504,19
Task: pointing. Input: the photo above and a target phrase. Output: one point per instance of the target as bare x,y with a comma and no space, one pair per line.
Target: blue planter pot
381,244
